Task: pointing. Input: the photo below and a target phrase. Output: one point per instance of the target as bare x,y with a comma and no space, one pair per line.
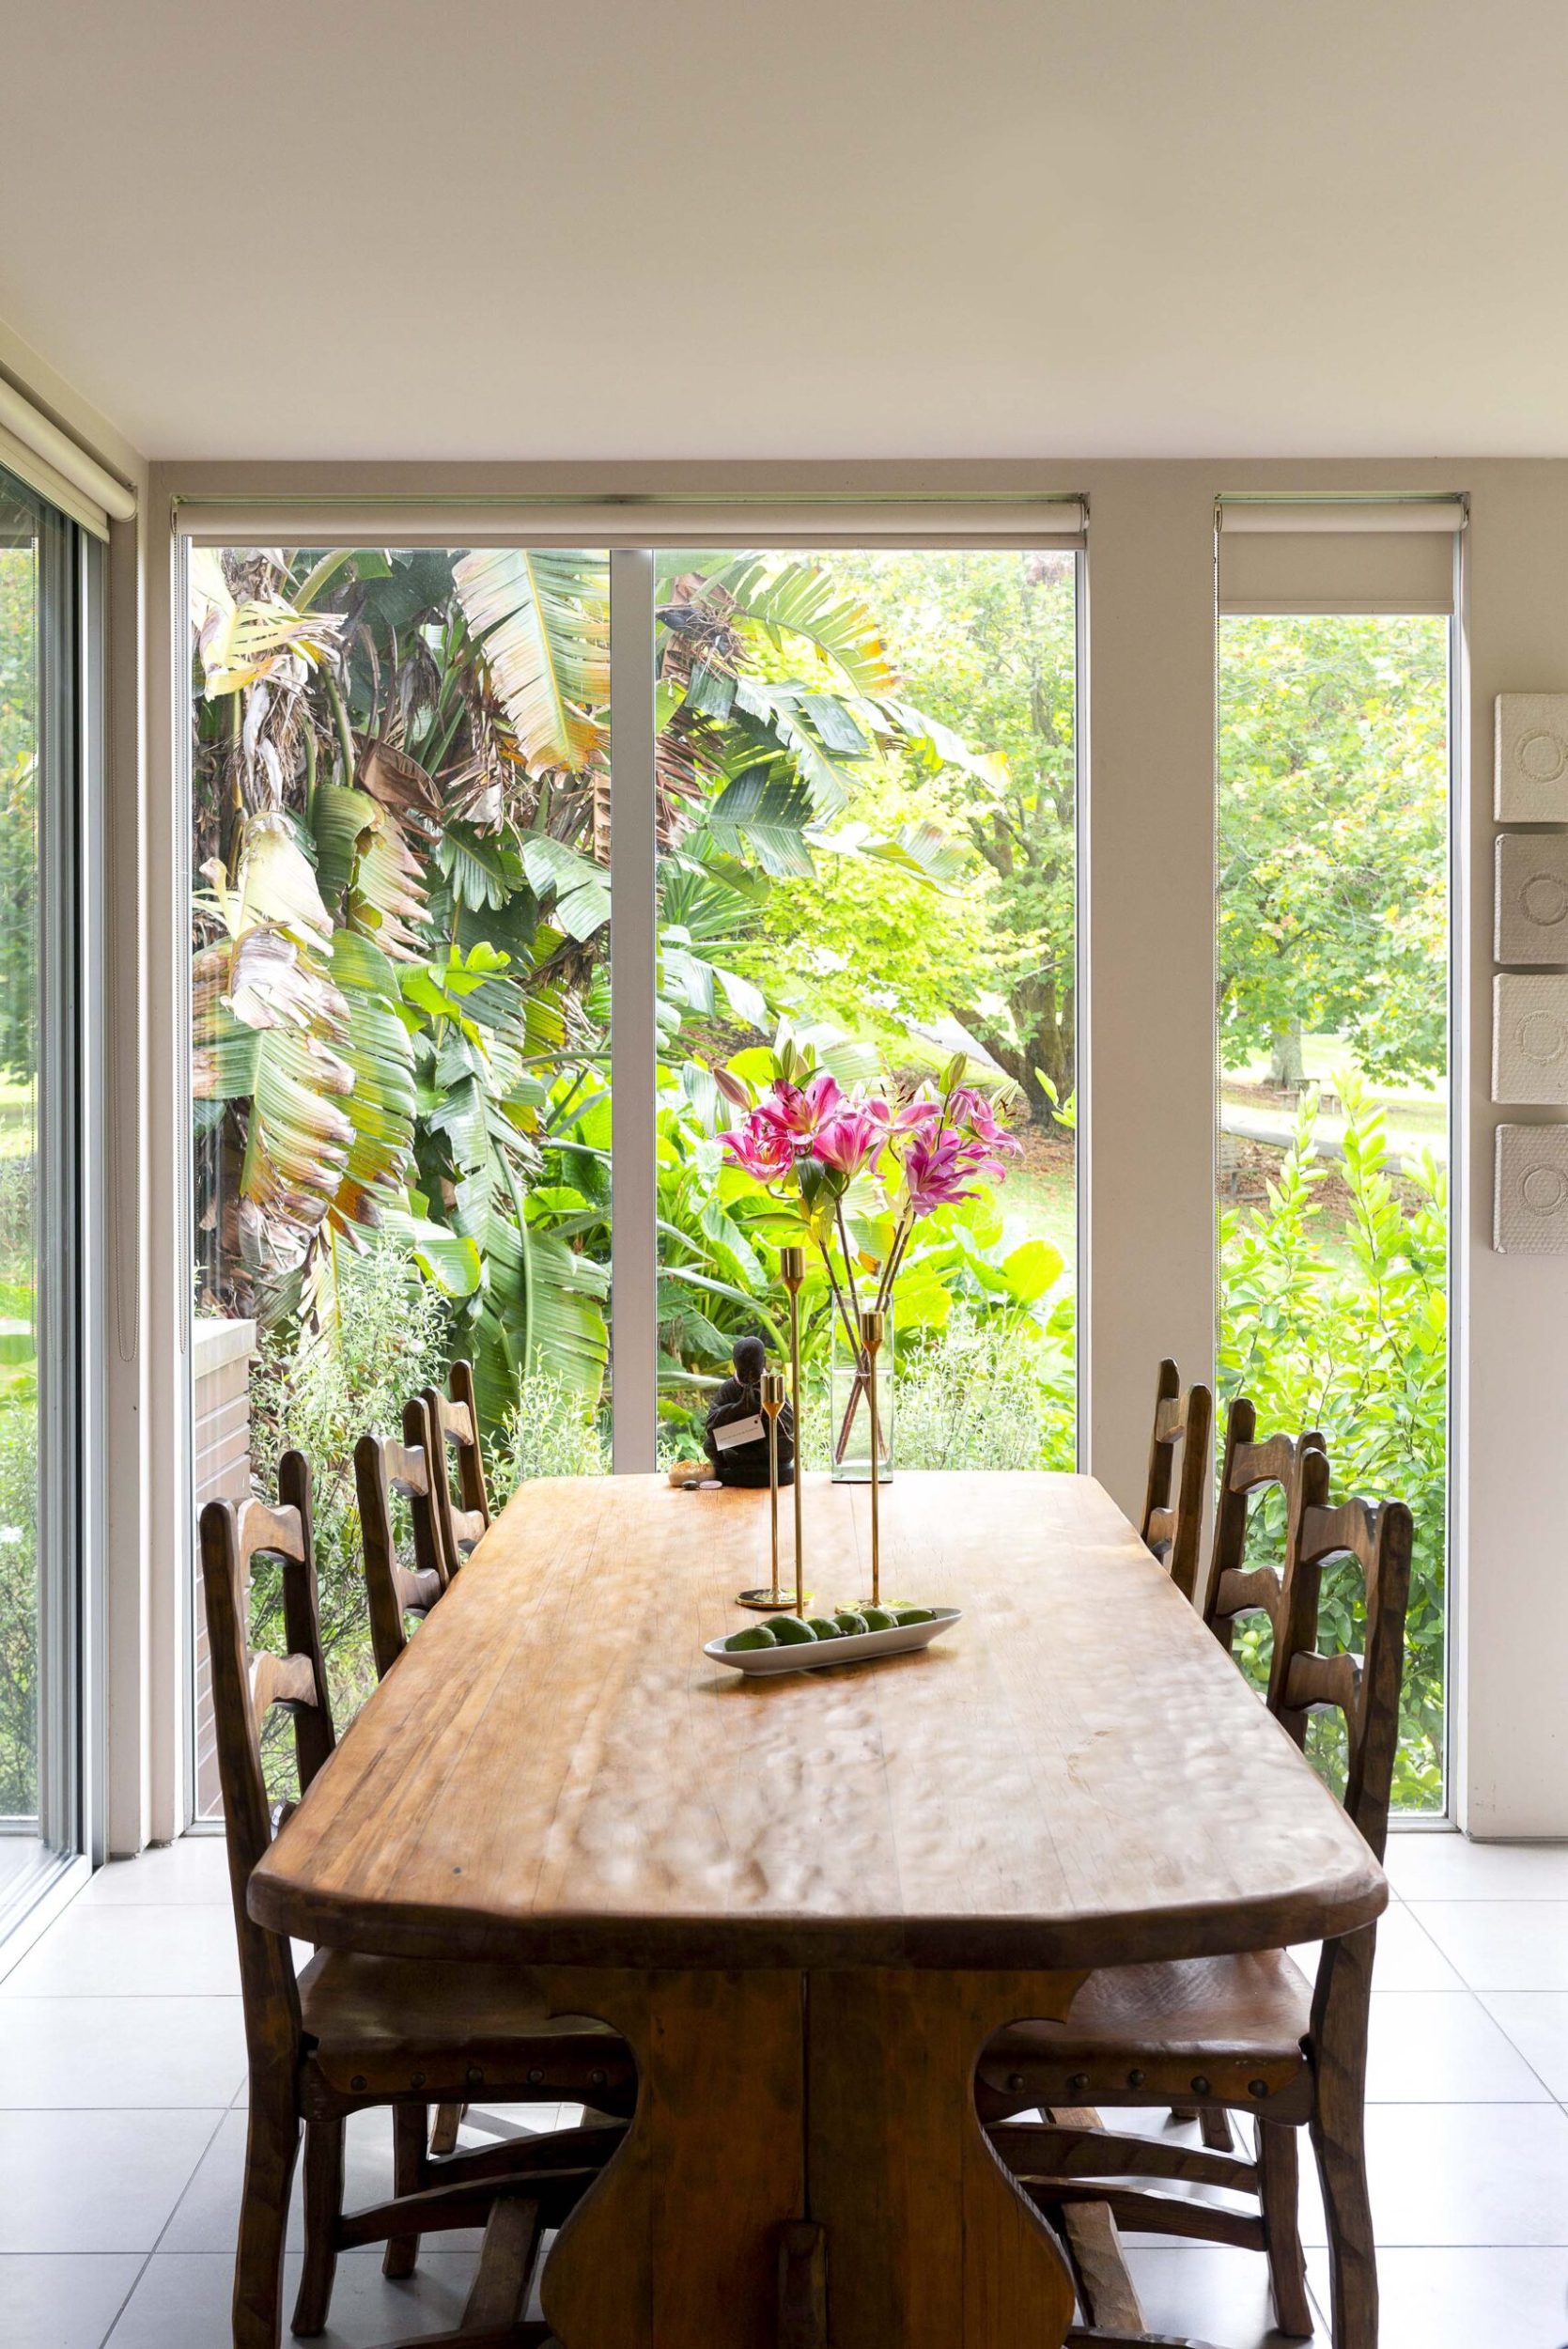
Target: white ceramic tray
856,1647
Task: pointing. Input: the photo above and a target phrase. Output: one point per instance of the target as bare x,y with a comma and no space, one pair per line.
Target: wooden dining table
807,1901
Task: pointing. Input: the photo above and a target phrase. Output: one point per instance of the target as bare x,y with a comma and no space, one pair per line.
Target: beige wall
1149,1135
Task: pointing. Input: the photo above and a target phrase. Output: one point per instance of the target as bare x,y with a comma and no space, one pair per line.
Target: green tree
1334,840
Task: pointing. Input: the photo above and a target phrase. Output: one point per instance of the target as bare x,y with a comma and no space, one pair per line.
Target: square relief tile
1529,1040
1533,758
1529,1207
1531,909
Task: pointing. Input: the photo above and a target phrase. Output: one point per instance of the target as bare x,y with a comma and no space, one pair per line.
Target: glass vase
849,1408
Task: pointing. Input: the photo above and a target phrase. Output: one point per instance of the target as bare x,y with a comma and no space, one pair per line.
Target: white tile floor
122,2084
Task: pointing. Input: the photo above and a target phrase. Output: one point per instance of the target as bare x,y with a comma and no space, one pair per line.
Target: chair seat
381,2027
1218,2029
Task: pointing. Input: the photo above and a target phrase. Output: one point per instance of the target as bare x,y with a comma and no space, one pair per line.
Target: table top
1075,1775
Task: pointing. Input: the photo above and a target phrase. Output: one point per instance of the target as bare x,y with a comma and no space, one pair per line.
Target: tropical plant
401,982
1347,1331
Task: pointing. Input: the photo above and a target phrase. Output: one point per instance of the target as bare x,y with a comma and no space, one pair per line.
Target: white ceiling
794,228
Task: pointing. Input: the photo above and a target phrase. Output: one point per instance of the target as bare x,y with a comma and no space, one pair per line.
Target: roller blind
632,522
51,463
1350,556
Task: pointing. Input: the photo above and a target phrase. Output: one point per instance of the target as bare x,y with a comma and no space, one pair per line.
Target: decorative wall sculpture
1531,1213
1533,898
1530,1039
1533,758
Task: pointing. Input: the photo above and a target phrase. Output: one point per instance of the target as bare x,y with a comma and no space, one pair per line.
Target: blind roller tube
1383,516
637,522
51,462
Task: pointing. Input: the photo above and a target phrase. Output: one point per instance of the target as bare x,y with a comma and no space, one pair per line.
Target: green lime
848,1622
913,1614
755,1634
878,1619
825,1628
789,1631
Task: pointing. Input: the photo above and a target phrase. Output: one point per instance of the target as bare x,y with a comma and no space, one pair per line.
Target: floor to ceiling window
42,641
1333,855
400,798
867,826
860,818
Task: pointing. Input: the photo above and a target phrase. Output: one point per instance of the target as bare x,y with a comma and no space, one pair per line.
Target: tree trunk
1286,1067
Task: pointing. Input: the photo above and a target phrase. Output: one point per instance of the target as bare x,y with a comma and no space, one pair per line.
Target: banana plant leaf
542,619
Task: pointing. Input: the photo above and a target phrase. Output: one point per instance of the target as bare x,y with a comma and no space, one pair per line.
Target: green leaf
542,617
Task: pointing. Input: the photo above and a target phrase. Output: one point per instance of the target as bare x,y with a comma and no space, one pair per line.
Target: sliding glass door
43,636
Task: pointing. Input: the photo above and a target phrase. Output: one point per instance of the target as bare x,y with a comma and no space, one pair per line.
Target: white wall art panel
1533,758
1531,1212
1529,1040
1531,919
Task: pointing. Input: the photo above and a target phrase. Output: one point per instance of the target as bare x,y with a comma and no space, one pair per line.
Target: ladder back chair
1173,1522
453,1420
386,1469
1251,1468
1248,2033
353,2032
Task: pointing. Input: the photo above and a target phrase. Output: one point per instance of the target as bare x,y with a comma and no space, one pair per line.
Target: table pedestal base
806,2170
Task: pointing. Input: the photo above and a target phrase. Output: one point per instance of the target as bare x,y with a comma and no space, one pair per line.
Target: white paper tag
740,1431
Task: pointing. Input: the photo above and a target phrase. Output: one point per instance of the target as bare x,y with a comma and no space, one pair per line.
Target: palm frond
542,620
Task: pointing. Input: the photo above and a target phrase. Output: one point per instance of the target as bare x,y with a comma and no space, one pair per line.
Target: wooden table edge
945,1944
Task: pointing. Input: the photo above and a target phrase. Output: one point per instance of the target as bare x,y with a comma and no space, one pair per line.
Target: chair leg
1278,2179
443,2129
1215,2122
271,2150
409,2126
323,2208
1338,2043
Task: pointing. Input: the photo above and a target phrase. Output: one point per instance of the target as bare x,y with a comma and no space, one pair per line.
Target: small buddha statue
736,1439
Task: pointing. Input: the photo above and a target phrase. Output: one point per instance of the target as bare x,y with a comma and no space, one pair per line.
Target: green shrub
1348,1333
19,1603
550,1432
984,1394
321,1394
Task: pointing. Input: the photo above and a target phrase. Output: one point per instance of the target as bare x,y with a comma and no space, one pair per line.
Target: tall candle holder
792,1271
772,1397
873,1326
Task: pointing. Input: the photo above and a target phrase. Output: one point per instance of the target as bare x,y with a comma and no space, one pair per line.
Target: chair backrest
1249,1469
1364,1688
1173,1506
453,1421
247,1683
384,1467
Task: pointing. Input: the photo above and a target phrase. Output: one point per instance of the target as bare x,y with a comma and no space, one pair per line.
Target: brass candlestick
792,1271
873,1327
770,1395
773,1404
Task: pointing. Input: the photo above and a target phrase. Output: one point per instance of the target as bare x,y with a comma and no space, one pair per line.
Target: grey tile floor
121,2127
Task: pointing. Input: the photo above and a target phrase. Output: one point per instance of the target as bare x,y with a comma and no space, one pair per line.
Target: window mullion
633,1030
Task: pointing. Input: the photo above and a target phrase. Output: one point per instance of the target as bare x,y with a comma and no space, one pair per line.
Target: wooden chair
1173,1528
453,1420
352,2032
1248,2033
1234,1589
384,1468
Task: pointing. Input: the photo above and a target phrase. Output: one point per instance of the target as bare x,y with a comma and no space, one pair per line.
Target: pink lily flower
760,1147
936,1173
853,1139
968,1109
799,1112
